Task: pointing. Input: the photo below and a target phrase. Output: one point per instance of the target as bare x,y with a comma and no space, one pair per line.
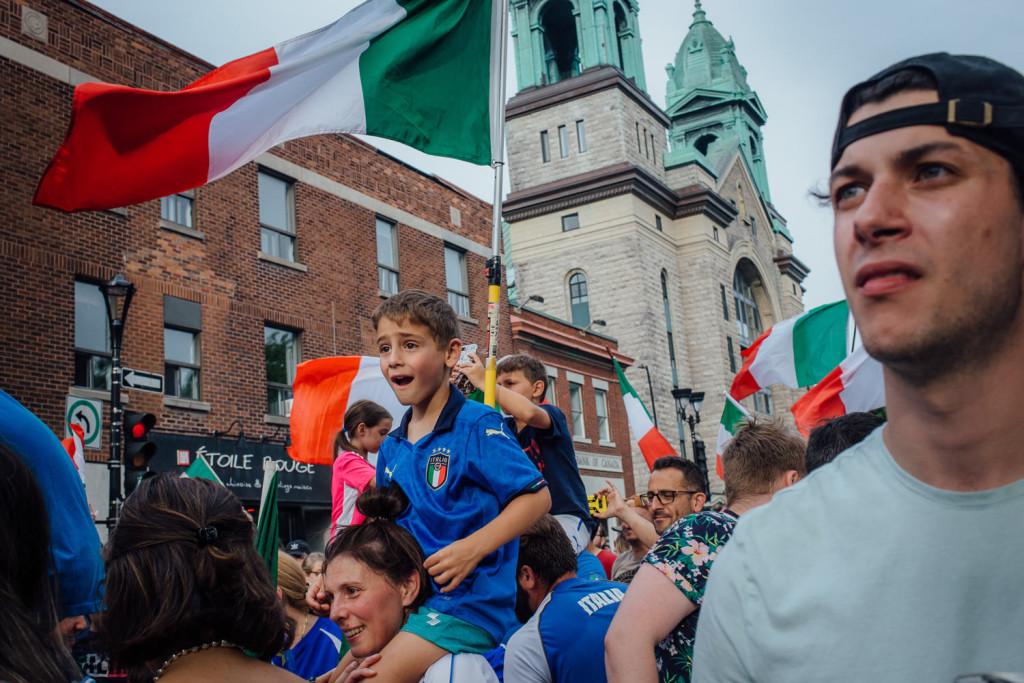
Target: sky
801,56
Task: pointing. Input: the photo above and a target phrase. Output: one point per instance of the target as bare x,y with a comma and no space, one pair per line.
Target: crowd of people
882,549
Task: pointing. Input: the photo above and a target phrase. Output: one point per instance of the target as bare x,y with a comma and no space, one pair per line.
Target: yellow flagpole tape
491,376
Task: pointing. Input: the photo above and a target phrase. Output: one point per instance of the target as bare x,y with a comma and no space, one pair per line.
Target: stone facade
646,213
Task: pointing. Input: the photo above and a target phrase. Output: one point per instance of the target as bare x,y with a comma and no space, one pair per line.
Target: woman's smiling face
366,605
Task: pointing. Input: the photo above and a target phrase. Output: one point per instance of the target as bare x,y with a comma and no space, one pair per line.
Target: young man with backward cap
901,560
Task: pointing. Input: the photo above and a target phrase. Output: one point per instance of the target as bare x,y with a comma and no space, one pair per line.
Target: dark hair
546,550
692,475
757,455
381,544
30,648
181,571
600,526
421,308
834,436
361,412
533,370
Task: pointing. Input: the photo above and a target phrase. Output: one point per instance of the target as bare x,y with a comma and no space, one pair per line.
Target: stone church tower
656,222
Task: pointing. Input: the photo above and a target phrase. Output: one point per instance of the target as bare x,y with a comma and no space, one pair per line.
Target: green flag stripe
819,342
732,417
426,80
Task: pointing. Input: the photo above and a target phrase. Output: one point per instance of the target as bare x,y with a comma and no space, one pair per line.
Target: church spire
698,15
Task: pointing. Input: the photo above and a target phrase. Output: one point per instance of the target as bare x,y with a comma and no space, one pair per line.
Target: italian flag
855,385
652,444
200,469
732,417
415,71
797,352
322,391
75,448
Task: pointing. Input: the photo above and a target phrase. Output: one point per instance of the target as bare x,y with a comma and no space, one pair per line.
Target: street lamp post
687,398
650,390
117,295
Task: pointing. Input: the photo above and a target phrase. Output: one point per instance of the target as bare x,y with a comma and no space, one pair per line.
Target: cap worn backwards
979,99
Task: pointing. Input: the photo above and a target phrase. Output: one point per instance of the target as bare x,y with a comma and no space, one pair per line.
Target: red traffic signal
138,449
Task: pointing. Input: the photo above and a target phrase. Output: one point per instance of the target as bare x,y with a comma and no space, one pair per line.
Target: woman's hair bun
383,502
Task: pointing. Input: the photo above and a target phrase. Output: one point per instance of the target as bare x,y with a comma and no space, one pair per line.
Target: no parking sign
87,413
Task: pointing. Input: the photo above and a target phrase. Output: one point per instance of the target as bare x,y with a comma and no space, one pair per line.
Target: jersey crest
437,468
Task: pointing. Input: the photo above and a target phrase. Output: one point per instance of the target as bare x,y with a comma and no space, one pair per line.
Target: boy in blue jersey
566,617
543,433
466,513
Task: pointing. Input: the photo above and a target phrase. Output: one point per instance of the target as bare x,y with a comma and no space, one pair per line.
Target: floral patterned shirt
684,553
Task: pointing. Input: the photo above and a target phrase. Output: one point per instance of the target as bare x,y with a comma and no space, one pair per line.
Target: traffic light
138,449
700,457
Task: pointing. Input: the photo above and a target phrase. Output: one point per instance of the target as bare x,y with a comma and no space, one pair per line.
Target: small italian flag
323,390
732,417
200,469
415,71
855,385
797,352
652,444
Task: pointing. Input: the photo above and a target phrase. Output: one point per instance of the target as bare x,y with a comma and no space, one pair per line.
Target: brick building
238,281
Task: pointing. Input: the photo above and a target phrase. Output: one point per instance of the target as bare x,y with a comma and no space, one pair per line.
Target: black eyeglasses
666,497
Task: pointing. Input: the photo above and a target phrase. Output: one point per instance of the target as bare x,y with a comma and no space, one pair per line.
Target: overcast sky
800,56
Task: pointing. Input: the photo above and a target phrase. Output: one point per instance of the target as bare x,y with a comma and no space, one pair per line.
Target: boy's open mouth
401,380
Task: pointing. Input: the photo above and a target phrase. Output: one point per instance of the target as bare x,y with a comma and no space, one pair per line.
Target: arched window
561,45
579,302
704,142
753,146
668,328
748,317
621,33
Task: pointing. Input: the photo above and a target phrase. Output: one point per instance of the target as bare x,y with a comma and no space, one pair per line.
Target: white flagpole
499,57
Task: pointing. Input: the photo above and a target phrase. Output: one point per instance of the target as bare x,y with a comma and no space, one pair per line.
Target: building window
570,222
763,401
387,257
639,145
753,227
657,223
725,303
549,393
748,317
545,147
668,328
457,280
92,338
576,408
177,208
732,354
579,301
183,324
277,216
715,233
601,409
563,142
281,352
581,136
647,150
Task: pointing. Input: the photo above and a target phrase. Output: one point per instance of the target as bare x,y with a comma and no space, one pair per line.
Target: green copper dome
705,60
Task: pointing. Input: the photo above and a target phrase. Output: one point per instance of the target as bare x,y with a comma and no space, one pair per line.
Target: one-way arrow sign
147,381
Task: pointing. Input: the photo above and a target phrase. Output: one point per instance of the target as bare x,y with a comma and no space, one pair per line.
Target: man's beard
523,611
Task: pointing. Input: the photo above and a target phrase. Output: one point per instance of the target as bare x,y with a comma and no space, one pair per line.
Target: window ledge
294,265
186,403
96,394
581,439
277,420
471,321
181,229
385,295
609,444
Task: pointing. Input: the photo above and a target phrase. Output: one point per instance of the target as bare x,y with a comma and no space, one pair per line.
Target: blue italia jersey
458,478
563,642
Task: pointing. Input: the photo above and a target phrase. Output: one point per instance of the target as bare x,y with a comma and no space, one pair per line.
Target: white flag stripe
863,382
774,361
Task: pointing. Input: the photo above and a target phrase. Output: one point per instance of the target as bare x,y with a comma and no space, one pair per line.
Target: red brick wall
43,251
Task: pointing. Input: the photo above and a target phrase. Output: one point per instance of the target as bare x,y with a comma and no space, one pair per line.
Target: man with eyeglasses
652,635
901,560
675,490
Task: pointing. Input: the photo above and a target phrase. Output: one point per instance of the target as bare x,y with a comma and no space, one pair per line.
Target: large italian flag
323,390
797,352
733,416
415,71
855,385
652,444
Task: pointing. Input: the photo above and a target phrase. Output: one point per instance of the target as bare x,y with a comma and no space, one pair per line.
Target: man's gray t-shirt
863,573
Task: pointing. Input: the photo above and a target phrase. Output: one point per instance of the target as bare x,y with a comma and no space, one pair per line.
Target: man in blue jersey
563,640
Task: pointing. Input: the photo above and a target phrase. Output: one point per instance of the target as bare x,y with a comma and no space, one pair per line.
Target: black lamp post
685,399
650,390
117,295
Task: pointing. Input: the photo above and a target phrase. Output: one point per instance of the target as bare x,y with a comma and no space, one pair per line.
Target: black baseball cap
979,99
297,548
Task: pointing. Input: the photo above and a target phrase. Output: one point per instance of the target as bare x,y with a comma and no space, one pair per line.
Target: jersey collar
445,421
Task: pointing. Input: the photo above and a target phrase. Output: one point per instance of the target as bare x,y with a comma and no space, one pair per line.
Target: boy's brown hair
421,308
759,453
533,370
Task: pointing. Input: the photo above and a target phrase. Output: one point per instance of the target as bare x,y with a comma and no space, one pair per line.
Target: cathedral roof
705,60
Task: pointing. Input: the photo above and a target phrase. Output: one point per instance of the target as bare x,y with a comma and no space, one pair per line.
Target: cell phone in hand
466,350
598,504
